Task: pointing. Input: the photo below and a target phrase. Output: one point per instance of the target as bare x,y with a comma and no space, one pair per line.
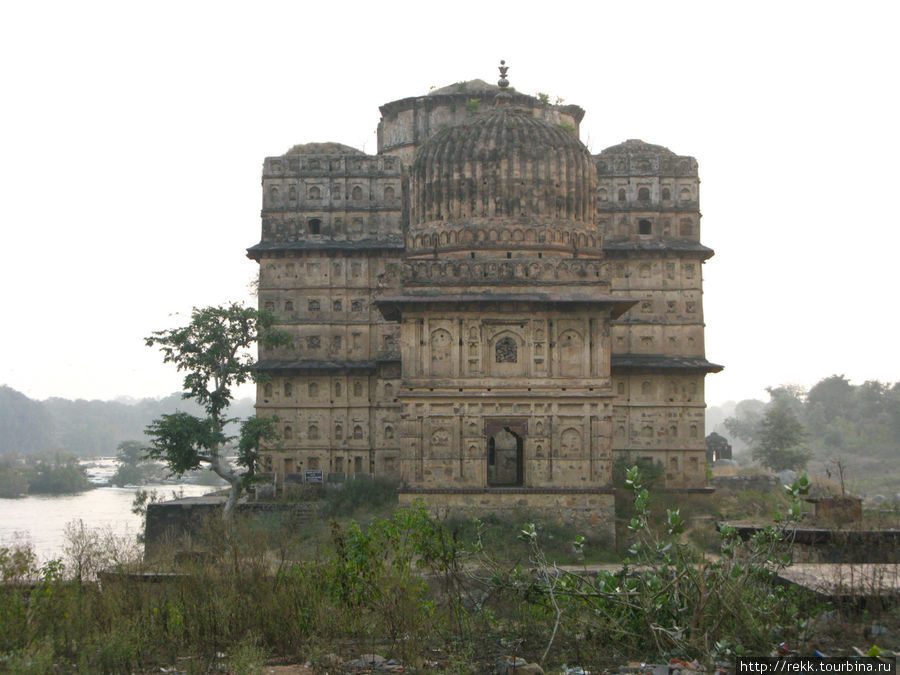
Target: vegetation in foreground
404,585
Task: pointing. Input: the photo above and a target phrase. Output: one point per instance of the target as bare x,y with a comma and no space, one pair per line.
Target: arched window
357,432
621,194
313,305
337,388
388,193
288,432
313,432
357,389
685,228
313,390
666,194
314,193
389,432
645,388
338,432
685,194
644,227
288,306
357,193
315,226
506,351
693,431
644,194
267,390
602,194
288,389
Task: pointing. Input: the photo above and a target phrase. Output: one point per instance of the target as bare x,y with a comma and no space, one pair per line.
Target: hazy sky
133,136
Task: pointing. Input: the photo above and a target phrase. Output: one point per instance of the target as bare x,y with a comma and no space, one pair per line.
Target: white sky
132,137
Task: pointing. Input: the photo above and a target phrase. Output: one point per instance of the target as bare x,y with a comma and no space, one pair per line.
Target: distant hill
85,428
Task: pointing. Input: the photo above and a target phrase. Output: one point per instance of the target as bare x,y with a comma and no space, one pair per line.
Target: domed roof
467,87
636,157
637,146
503,163
323,149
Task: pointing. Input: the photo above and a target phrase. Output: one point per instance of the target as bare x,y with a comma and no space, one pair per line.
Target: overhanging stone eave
313,365
392,307
614,249
257,251
655,362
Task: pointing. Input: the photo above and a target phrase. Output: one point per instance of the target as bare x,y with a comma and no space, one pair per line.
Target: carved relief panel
441,353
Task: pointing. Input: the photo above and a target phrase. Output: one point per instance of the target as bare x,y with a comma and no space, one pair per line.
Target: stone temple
483,310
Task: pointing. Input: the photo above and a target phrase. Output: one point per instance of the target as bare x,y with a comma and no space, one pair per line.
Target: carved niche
441,353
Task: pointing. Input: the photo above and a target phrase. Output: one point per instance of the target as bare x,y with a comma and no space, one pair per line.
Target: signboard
313,476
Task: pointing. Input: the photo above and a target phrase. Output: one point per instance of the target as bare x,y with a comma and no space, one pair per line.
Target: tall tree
213,350
780,440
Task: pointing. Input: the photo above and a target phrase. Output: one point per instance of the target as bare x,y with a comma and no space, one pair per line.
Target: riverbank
41,520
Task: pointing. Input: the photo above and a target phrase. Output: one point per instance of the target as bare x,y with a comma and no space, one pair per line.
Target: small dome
323,149
467,87
636,157
504,163
635,146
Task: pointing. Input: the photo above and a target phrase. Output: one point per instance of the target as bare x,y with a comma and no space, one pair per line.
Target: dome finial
503,83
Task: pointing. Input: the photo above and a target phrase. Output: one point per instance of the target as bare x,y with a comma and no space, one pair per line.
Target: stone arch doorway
505,456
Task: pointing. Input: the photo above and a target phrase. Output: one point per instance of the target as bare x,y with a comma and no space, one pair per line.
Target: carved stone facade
484,311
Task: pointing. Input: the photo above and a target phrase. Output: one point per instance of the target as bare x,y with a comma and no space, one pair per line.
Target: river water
41,520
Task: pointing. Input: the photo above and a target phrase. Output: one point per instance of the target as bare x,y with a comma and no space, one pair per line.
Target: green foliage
543,99
255,432
837,417
213,351
184,442
407,584
133,469
373,493
781,438
472,105
60,475
667,599
565,126
13,482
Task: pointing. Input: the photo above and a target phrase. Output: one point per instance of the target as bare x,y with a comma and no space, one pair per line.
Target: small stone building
483,310
717,447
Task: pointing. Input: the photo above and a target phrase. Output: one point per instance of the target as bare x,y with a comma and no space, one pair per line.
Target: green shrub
356,493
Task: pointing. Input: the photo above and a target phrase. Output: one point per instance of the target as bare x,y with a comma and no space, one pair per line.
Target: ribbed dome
504,164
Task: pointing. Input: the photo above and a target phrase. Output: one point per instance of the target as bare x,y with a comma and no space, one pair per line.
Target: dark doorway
505,459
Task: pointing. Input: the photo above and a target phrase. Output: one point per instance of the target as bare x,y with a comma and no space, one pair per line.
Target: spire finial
503,83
